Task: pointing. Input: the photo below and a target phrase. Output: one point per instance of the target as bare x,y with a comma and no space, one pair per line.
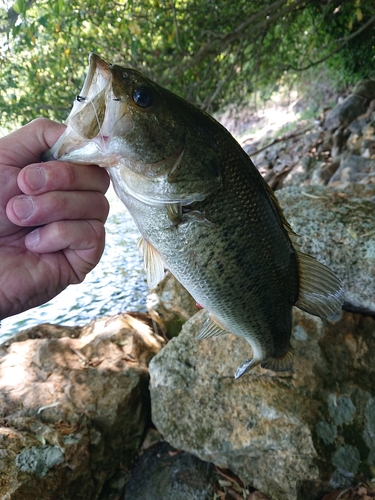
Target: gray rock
73,405
368,149
344,113
163,473
354,143
357,125
294,435
301,172
353,168
39,459
365,88
338,228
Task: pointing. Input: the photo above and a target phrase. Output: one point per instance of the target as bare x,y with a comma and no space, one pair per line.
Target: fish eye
142,96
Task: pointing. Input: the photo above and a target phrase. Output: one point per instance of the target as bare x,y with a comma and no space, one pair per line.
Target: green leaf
43,20
20,7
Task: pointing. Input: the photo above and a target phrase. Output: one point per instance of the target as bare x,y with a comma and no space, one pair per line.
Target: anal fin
153,263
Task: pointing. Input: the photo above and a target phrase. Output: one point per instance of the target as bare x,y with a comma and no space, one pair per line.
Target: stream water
117,284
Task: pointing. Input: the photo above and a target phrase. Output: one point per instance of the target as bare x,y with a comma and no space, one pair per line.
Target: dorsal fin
320,291
152,261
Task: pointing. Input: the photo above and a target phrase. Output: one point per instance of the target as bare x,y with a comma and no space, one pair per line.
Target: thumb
28,143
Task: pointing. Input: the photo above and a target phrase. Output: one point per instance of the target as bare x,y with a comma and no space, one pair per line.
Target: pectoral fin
152,261
178,215
174,212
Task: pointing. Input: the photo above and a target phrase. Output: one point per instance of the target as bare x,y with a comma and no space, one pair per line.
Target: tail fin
321,292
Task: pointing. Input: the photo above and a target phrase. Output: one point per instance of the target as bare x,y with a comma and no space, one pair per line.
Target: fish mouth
97,132
96,117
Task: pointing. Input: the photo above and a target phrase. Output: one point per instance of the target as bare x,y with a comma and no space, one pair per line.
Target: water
117,284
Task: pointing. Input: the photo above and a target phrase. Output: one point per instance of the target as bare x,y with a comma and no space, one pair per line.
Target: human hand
51,218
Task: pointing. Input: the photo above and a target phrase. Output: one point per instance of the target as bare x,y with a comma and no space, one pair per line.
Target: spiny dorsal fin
152,261
210,329
280,212
320,291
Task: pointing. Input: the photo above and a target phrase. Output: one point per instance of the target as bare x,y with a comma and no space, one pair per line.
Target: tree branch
10,18
220,43
343,41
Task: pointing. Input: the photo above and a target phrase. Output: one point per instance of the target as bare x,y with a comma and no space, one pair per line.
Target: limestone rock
73,405
338,228
294,435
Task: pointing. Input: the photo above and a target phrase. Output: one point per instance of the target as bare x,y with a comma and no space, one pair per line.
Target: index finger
62,176
27,144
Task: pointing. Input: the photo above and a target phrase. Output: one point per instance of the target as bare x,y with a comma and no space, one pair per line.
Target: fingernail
23,207
33,238
35,177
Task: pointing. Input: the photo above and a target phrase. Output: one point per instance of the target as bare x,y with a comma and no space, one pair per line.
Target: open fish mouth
117,122
95,118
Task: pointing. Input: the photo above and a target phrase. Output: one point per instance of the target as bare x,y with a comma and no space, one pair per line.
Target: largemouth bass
202,208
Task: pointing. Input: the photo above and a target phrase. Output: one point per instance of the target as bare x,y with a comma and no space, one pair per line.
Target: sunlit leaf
20,6
134,28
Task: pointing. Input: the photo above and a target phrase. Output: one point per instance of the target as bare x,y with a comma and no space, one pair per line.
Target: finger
28,143
8,183
9,188
82,243
61,176
57,206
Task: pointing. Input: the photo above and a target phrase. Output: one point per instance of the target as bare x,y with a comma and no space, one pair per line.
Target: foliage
212,52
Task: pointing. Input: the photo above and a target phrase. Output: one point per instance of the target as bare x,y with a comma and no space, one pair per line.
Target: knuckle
69,174
40,121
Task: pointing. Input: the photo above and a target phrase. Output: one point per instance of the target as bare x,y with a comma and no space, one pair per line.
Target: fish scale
202,208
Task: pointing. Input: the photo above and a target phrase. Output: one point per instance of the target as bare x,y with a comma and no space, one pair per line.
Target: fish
202,208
